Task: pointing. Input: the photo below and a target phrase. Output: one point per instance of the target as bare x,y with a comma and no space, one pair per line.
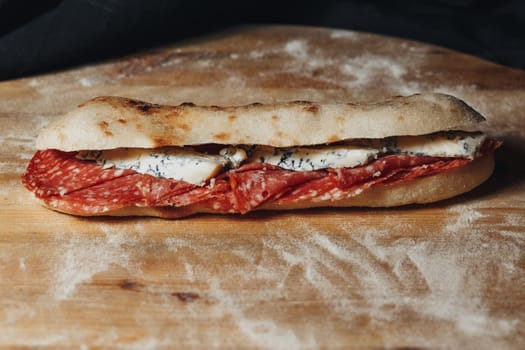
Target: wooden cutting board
444,275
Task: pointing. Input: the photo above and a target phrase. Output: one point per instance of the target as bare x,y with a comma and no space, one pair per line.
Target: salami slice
73,185
346,182
102,197
253,187
53,172
86,188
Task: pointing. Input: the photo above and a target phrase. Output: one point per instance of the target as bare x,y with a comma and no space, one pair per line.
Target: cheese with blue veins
457,144
173,163
314,158
186,164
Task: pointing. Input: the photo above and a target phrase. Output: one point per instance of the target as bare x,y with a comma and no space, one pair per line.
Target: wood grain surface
444,275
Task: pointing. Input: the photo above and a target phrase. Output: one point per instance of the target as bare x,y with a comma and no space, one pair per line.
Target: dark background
40,36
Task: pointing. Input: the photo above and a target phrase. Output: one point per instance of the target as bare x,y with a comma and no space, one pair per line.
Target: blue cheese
186,164
453,144
174,163
234,155
313,158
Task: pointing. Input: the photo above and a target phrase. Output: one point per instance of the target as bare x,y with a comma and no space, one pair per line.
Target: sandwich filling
187,164
241,178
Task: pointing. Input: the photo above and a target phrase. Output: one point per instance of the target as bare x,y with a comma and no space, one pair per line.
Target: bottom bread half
426,189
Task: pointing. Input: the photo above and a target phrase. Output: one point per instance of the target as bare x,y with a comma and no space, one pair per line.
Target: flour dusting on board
450,281
13,311
263,332
454,269
362,275
82,257
344,34
354,72
266,332
88,81
366,67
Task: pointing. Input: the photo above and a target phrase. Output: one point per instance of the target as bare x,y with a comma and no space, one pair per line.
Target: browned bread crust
113,122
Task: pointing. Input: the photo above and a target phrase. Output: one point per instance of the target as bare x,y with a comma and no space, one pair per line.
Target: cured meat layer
86,188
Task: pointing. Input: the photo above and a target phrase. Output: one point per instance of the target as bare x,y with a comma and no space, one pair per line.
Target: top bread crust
110,122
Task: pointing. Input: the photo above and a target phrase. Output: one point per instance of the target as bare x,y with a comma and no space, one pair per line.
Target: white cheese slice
174,163
313,158
235,156
184,163
457,144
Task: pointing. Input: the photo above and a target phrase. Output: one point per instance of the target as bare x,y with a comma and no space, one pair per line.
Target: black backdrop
39,36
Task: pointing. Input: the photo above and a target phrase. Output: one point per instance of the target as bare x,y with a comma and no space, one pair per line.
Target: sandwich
122,157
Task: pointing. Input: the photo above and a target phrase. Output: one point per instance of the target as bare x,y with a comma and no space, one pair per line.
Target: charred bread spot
275,117
122,120
160,142
144,107
232,118
401,118
307,106
215,108
183,126
186,297
311,109
187,104
222,136
104,125
333,138
105,99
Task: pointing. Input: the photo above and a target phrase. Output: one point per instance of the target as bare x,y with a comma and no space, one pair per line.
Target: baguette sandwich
120,157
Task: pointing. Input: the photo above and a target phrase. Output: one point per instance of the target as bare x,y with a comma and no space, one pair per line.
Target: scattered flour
204,63
22,264
15,311
268,333
88,81
34,82
436,278
465,217
365,67
344,34
174,244
262,332
440,279
297,48
357,73
82,257
256,54
189,271
171,62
